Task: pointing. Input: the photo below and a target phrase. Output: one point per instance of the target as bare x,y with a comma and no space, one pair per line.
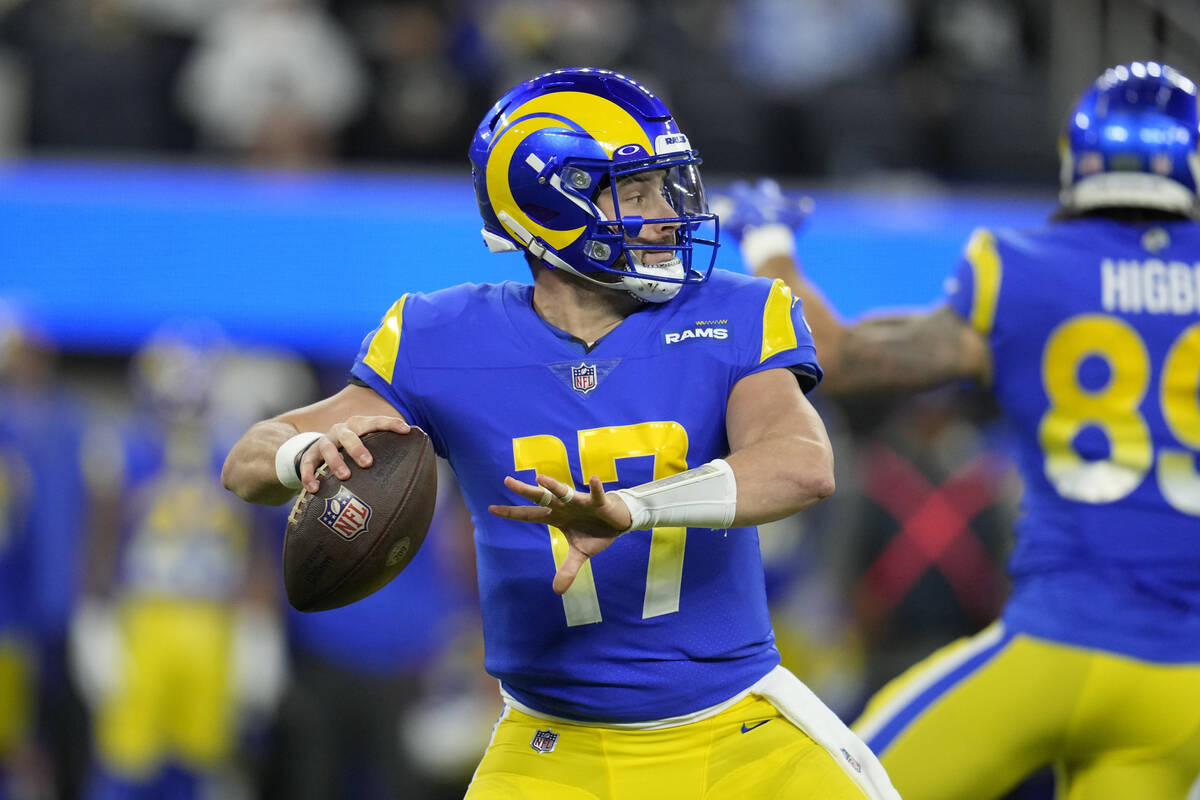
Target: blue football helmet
546,150
175,371
1132,141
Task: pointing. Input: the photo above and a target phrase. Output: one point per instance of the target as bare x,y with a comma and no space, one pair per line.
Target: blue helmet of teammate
1132,141
177,368
546,150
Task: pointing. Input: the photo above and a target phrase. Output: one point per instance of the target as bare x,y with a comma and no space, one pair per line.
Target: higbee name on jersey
1150,286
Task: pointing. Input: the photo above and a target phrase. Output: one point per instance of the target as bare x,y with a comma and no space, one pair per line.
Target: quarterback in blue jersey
618,428
1087,332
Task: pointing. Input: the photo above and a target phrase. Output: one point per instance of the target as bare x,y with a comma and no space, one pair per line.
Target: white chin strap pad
650,290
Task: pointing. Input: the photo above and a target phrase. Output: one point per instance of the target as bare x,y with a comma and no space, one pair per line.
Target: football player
1087,331
176,643
18,664
618,429
41,515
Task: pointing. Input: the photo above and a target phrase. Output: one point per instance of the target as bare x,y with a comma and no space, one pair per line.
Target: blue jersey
16,537
182,535
1094,327
661,623
41,506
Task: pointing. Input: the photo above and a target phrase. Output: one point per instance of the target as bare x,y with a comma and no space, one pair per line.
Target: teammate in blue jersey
618,428
1087,331
41,519
176,643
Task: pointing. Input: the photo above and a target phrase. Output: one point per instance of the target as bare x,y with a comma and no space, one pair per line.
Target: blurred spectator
973,93
797,48
302,82
170,28
178,643
820,67
924,555
429,73
276,80
14,103
95,78
184,18
711,99
532,36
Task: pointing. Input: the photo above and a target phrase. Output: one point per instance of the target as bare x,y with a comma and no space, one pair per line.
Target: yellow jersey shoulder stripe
988,270
385,344
778,333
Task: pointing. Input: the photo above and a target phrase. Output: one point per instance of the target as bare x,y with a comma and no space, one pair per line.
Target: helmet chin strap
650,290
644,288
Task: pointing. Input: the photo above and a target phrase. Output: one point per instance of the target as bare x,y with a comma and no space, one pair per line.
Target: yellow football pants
975,718
747,751
175,700
16,694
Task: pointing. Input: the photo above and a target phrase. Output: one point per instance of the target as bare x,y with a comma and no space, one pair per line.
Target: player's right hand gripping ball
352,537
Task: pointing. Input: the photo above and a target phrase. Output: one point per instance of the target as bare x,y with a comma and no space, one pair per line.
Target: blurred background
204,206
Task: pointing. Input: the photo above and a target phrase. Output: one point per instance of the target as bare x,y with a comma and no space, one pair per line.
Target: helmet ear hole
576,178
541,214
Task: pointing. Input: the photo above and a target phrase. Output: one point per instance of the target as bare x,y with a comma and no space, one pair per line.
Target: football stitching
302,501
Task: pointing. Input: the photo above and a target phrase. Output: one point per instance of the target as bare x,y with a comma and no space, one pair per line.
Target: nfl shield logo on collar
583,377
544,741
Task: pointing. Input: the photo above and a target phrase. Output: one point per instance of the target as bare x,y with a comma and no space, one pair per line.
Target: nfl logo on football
346,514
583,378
544,741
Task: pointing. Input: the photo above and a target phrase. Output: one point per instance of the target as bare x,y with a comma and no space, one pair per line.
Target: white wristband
704,497
765,242
287,455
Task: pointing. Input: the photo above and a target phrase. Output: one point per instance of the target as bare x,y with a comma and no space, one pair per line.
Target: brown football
352,537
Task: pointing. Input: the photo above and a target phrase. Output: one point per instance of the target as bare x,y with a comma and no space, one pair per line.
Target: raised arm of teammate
905,351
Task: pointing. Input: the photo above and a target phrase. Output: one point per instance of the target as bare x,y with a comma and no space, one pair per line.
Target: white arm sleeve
704,497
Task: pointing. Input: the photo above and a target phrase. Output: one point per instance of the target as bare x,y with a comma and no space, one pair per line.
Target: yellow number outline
1178,479
599,450
1115,409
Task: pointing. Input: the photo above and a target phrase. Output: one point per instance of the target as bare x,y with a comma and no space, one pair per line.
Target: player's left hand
590,521
762,220
745,207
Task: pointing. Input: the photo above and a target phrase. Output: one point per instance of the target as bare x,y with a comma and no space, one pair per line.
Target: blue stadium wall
99,254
